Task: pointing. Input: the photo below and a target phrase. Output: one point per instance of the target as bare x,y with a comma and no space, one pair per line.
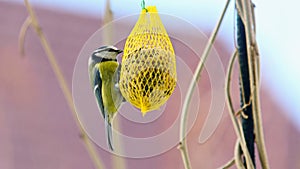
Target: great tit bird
104,74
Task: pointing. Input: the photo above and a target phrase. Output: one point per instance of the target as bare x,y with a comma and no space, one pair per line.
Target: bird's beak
119,51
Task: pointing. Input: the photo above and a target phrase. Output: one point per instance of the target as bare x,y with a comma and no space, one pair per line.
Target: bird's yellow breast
107,70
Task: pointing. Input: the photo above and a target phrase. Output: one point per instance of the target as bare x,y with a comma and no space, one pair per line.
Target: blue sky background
277,34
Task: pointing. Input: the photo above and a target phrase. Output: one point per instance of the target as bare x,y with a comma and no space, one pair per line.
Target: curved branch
253,59
22,34
63,85
236,125
237,155
196,77
228,164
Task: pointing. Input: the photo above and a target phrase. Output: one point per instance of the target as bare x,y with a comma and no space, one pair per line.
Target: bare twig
239,9
254,80
63,84
185,156
22,34
196,77
236,125
228,164
241,111
237,155
107,18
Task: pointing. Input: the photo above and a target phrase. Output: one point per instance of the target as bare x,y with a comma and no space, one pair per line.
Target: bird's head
106,53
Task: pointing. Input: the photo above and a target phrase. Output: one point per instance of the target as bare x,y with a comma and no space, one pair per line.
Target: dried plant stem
253,60
22,34
245,11
118,162
63,84
237,155
228,164
184,155
196,77
107,18
245,90
236,125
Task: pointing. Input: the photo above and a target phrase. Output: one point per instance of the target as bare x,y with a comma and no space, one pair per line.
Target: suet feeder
148,73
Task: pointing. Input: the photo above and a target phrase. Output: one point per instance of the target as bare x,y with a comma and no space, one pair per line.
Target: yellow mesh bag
148,73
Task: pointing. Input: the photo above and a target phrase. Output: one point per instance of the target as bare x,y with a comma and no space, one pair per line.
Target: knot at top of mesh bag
148,73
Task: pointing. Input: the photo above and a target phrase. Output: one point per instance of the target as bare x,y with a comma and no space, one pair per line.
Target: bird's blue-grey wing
98,90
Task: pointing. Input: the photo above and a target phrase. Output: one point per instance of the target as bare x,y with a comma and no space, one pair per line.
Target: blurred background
38,131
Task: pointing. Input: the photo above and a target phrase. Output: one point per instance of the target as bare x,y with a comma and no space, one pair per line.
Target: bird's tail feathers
109,134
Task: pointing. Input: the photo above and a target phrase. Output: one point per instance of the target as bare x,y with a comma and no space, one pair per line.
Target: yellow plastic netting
148,73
